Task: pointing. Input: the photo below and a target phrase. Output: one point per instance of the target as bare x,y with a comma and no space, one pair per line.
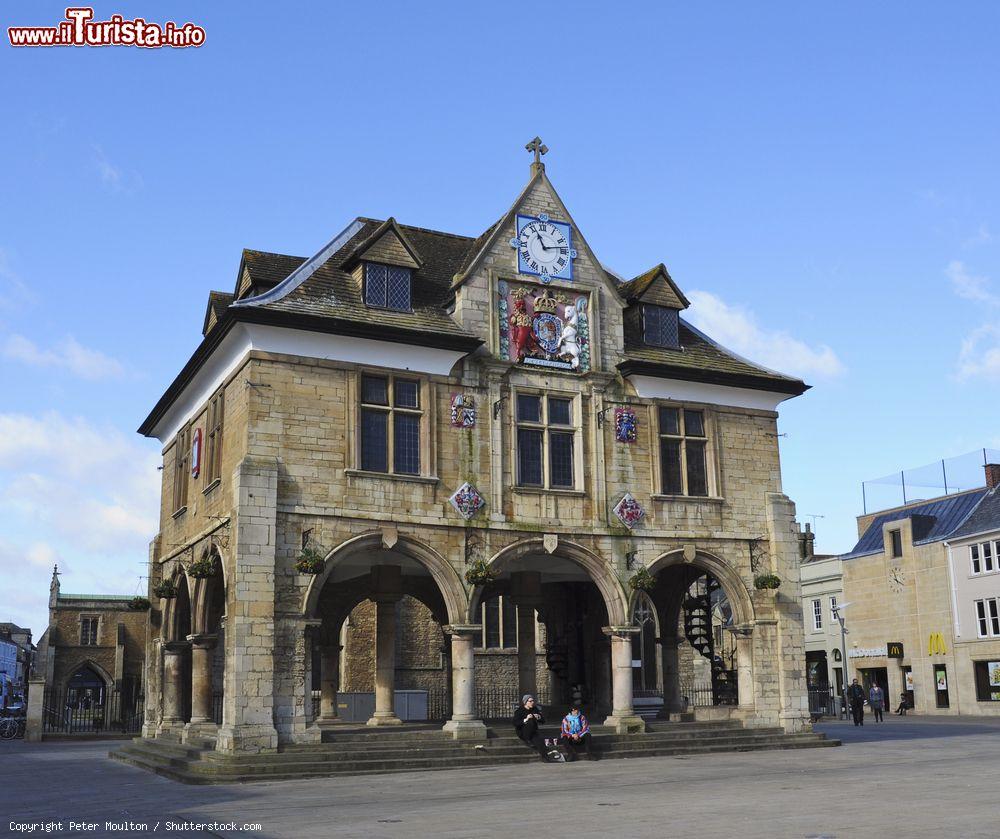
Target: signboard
935,644
908,680
866,652
894,649
993,671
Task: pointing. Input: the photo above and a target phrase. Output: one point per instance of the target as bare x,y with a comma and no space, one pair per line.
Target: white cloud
738,330
68,354
95,488
114,177
980,355
982,236
970,286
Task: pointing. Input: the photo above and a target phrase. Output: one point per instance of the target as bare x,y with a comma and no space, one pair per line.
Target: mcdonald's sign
894,649
935,644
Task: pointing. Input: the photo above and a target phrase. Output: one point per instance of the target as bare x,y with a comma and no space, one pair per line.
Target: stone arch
600,573
446,578
90,664
178,613
205,592
729,578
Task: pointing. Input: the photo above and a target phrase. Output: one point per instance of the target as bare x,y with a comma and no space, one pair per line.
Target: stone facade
293,479
114,651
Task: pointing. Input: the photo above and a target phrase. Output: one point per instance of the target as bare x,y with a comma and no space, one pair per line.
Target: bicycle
11,728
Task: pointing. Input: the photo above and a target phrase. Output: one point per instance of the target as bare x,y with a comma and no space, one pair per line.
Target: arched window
644,669
85,688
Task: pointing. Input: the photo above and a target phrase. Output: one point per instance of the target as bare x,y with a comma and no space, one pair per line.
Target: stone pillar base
626,725
795,722
328,722
170,728
465,729
386,719
249,739
309,734
202,730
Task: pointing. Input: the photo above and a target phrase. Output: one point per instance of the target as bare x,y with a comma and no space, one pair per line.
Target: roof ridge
419,229
273,253
735,354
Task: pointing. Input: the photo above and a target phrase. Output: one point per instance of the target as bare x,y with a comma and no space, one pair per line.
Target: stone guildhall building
419,458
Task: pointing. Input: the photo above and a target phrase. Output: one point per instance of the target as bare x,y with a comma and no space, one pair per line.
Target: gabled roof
941,518
984,518
261,270
654,286
701,359
218,302
389,227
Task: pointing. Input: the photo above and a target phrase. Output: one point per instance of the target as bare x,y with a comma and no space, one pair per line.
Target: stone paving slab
912,777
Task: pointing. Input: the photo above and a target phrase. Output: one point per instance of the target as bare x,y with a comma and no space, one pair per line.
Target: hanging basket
165,589
766,582
139,604
310,561
642,580
201,568
479,573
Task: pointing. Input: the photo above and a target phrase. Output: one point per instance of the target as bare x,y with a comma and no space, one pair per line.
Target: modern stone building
496,432
822,590
94,648
923,584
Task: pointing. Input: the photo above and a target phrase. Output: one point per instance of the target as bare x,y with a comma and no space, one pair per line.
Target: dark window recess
387,287
406,393
492,623
670,421
694,424
529,408
374,390
987,680
561,458
374,440
896,537
529,457
559,412
88,632
696,472
660,327
406,444
509,615
670,452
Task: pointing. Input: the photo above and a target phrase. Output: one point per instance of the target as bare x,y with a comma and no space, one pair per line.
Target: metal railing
823,703
217,708
65,713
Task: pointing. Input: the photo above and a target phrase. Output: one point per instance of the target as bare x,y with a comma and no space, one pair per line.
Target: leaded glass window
683,452
661,327
546,441
387,287
390,424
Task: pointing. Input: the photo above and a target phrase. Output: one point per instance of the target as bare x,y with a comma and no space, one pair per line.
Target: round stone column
463,723
329,682
172,684
201,679
623,717
527,665
385,662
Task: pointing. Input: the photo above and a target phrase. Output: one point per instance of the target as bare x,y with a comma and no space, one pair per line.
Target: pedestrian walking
876,701
856,699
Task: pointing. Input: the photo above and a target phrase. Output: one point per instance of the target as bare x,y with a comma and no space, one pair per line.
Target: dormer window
660,327
387,287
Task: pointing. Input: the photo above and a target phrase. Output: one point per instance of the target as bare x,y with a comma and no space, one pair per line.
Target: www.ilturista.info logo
79,29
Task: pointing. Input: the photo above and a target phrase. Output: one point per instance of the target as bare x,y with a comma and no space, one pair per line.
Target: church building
467,467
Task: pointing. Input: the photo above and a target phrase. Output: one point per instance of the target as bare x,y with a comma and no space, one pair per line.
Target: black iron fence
217,708
115,712
823,703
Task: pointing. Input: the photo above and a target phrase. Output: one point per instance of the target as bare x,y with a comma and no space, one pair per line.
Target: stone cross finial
539,148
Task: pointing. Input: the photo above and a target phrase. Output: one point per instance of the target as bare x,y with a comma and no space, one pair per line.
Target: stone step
263,767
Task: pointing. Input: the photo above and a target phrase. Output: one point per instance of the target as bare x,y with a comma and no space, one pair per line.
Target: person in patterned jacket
575,735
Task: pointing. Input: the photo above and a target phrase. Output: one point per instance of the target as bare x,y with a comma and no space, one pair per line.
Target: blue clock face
544,248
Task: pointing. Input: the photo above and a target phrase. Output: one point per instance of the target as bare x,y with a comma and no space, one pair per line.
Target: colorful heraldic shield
625,425
467,500
629,511
463,410
540,327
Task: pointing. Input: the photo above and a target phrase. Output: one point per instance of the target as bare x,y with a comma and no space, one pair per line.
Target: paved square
910,777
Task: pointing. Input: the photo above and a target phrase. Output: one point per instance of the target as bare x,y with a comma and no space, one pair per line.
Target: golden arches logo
935,644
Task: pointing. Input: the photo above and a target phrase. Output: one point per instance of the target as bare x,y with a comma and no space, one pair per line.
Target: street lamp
838,609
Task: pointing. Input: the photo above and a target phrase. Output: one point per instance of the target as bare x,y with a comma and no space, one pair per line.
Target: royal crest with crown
542,328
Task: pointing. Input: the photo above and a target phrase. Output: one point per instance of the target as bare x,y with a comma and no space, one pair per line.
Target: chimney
992,475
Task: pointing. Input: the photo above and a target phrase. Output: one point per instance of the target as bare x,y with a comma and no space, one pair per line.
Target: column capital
463,628
175,647
670,640
620,631
203,641
741,630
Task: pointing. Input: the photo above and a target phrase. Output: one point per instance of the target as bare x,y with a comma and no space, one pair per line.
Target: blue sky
820,179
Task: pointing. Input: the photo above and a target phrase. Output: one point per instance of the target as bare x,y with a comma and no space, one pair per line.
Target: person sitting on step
527,718
575,734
